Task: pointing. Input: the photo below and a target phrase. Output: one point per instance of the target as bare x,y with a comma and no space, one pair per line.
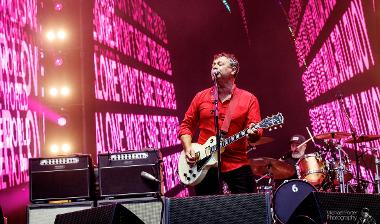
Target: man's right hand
190,155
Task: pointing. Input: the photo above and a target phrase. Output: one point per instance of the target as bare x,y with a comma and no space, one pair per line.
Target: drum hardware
361,185
342,185
375,152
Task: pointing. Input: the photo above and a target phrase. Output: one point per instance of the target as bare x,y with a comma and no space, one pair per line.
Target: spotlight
50,35
54,148
66,148
58,61
58,6
53,91
65,91
61,34
62,121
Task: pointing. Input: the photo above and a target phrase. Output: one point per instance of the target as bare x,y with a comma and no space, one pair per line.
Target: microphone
214,74
149,176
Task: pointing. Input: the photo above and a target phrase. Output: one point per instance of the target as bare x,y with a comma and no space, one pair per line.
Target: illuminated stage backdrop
135,96
335,50
21,127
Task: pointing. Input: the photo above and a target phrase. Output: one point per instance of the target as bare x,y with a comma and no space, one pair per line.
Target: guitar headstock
271,122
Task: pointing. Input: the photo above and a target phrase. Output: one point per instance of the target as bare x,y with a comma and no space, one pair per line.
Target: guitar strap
231,107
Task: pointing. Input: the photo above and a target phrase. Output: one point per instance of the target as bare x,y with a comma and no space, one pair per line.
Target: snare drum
311,168
289,196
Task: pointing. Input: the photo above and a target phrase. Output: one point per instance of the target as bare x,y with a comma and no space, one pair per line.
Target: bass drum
289,196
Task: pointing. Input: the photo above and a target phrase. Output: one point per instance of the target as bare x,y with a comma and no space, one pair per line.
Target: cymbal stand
375,151
269,188
268,174
344,108
341,167
271,183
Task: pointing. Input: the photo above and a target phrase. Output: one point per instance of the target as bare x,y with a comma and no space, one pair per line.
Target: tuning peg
280,126
270,129
275,128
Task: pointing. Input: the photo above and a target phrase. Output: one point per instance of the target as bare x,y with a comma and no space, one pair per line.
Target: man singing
235,168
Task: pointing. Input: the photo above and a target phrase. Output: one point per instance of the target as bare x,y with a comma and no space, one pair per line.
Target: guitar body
193,175
206,156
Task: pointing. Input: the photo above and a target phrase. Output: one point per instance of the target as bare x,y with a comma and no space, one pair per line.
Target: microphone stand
218,135
353,133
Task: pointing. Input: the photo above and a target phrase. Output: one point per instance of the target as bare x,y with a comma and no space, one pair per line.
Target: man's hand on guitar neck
253,134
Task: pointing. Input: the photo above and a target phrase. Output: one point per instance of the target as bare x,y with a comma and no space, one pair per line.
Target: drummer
295,152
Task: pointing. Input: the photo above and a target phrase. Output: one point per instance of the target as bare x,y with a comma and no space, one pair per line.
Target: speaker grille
108,214
60,185
146,209
238,208
45,213
127,180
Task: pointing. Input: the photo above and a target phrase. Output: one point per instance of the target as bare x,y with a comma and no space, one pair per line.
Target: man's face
222,64
294,145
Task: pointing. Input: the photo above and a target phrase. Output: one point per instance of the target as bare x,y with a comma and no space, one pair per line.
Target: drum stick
303,143
311,136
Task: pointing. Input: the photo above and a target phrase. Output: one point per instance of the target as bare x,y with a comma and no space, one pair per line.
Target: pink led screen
20,125
339,60
134,79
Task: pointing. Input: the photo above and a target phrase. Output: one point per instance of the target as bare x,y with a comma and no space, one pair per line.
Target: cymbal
363,138
263,140
332,135
279,169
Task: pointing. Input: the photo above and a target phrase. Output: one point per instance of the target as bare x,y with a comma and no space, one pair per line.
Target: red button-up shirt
199,114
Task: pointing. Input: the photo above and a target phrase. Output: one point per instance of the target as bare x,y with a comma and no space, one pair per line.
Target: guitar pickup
197,155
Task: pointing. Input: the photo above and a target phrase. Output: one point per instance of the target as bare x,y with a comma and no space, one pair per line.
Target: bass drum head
289,196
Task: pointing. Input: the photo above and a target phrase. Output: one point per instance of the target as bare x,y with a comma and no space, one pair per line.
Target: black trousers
240,180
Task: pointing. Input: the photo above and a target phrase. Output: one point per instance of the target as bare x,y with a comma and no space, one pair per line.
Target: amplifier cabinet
150,210
221,209
46,213
120,174
61,178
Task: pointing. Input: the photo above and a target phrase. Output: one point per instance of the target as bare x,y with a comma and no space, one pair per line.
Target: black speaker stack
127,188
61,178
70,184
131,174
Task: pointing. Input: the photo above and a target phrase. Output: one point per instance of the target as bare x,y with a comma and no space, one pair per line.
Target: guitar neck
234,137
231,139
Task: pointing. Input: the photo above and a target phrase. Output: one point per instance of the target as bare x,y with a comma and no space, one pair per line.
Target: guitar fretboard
268,122
231,139
234,137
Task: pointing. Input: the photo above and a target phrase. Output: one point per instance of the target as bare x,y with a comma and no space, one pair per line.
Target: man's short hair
232,58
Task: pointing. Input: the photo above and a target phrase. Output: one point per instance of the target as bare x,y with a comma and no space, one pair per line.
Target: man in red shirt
235,168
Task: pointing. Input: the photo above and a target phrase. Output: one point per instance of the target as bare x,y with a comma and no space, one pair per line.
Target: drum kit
327,170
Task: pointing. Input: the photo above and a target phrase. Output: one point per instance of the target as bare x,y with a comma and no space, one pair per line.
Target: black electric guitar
205,156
